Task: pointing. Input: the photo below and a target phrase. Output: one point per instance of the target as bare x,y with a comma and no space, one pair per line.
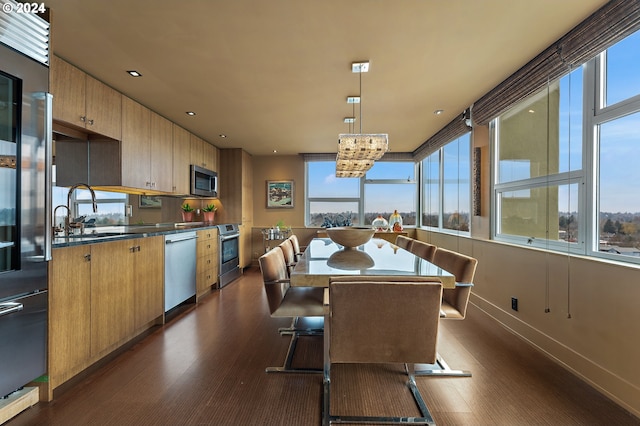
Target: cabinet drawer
206,248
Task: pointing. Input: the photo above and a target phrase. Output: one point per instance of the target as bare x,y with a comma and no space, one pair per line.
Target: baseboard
617,389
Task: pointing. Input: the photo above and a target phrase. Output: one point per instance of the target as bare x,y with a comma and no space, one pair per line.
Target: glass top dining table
324,259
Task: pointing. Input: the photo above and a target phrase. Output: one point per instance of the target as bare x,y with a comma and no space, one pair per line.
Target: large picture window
446,186
565,176
387,186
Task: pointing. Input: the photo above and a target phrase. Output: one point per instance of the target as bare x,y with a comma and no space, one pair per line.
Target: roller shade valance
611,23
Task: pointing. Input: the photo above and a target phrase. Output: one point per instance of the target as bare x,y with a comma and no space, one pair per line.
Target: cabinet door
111,294
69,313
181,160
161,153
135,146
148,277
69,92
103,109
197,151
210,156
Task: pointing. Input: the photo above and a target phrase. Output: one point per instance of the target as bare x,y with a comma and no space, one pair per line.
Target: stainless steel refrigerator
25,167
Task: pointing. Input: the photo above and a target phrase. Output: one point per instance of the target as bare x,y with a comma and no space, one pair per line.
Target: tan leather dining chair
296,246
404,242
289,255
374,321
423,250
290,302
454,300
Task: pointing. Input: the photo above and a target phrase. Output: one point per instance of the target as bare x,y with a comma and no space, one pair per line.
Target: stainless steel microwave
204,182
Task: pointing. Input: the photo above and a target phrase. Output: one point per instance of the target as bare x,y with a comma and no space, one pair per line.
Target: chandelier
358,151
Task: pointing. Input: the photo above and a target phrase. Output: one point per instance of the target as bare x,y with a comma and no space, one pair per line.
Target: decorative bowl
350,236
350,260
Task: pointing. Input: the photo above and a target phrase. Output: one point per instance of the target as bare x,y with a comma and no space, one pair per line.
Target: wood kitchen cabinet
112,295
136,145
236,189
148,281
181,160
69,313
100,297
207,267
83,101
161,155
203,154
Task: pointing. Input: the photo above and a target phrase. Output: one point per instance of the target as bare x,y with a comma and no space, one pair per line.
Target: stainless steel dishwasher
179,269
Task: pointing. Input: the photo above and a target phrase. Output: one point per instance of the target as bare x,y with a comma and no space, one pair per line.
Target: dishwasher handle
9,307
179,240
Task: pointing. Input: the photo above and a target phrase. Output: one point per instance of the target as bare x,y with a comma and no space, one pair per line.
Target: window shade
614,21
456,128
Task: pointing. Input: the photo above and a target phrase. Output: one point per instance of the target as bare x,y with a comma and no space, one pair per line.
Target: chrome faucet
56,228
68,223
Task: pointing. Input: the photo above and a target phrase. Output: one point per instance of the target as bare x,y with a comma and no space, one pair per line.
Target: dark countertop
112,233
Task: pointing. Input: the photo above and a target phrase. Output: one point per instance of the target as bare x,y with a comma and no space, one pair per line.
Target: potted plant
187,212
209,212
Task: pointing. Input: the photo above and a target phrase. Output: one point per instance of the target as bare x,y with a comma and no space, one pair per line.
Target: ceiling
275,75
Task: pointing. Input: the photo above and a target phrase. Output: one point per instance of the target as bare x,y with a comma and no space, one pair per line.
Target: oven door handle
228,237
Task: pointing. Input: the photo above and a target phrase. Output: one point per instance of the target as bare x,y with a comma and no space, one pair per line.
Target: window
111,206
329,198
565,176
446,186
387,186
539,162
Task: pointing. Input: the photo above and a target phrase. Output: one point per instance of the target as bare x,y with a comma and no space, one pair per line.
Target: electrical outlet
514,303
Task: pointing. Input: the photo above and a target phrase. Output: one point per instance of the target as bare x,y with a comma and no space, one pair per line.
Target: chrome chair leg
441,368
286,367
293,328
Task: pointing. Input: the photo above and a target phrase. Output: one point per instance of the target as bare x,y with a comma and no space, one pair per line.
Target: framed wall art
150,202
280,194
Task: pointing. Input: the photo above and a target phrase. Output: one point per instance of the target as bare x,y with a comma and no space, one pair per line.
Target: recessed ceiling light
349,119
531,111
134,73
222,135
360,67
438,111
275,151
353,99
191,113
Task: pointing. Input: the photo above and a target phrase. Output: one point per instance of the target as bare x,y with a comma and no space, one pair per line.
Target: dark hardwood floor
206,367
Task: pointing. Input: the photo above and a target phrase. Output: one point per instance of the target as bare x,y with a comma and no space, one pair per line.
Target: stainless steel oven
229,250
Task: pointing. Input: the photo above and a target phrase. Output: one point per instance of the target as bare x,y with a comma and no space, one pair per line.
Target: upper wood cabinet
136,145
83,101
203,154
161,175
181,160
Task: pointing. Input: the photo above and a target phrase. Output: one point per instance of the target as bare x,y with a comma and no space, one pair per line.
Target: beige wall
283,167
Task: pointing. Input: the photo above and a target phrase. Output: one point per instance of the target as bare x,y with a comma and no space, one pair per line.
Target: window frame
441,185
363,181
595,114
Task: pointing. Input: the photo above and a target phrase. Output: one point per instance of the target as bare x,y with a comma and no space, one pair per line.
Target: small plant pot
208,216
187,216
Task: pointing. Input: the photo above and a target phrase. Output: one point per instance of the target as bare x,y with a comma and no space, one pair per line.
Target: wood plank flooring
206,367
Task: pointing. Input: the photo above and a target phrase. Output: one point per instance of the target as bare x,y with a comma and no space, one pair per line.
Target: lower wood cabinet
101,296
69,313
207,267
